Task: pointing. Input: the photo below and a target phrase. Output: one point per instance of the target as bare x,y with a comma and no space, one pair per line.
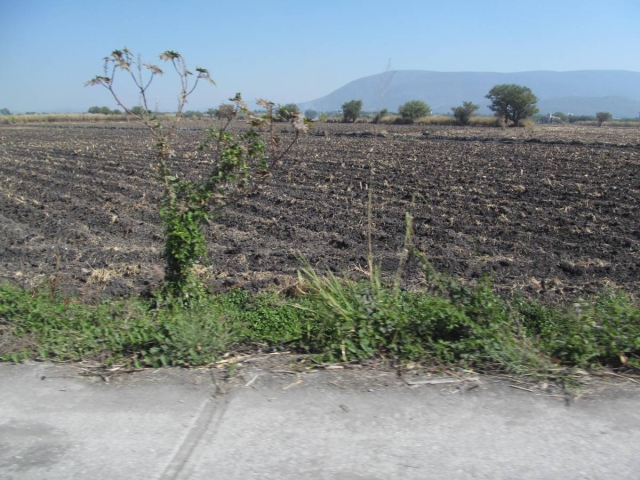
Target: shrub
288,111
102,110
310,114
225,112
192,114
138,111
464,113
602,117
351,110
235,162
413,110
581,118
379,116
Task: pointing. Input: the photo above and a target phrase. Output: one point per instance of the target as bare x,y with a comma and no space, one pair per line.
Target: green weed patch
338,319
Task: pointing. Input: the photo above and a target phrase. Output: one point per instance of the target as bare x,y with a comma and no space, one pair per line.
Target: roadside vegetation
333,319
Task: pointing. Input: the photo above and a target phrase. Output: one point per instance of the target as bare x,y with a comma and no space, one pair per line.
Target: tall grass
63,118
444,120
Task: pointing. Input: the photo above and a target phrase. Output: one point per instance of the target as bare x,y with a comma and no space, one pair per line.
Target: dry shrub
389,119
524,124
485,122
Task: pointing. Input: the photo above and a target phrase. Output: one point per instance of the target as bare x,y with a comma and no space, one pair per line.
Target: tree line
510,103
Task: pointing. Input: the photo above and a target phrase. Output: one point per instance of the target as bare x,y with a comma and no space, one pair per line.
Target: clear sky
294,51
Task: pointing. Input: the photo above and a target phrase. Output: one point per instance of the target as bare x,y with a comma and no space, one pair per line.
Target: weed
235,162
338,318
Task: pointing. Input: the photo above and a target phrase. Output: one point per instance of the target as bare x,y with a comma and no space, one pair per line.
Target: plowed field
545,210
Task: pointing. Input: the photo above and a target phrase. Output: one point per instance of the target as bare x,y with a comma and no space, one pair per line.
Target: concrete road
179,424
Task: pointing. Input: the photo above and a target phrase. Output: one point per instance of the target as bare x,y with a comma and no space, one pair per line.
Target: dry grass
63,118
445,120
102,276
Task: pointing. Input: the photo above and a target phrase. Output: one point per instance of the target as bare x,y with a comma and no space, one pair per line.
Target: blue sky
294,51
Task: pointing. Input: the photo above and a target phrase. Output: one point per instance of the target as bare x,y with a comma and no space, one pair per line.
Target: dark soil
543,210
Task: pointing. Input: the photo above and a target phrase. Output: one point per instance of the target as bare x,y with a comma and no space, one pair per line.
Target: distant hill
579,92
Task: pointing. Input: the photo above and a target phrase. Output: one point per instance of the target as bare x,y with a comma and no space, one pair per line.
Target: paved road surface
177,424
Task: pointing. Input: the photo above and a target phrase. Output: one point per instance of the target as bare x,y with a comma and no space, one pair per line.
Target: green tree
351,110
562,116
413,110
310,113
602,117
138,111
512,102
212,112
464,113
235,161
100,110
5,111
288,111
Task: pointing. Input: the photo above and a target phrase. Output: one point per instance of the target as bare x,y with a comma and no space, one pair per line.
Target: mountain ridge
588,89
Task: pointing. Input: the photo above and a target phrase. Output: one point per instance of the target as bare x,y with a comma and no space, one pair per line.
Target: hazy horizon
289,51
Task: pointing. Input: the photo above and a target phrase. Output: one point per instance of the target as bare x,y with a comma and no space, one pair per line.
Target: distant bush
288,111
351,110
310,114
464,113
399,120
581,118
225,111
379,116
138,110
193,114
411,111
104,111
561,116
602,117
525,124
5,111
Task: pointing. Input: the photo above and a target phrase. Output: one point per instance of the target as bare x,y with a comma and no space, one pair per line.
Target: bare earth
548,211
